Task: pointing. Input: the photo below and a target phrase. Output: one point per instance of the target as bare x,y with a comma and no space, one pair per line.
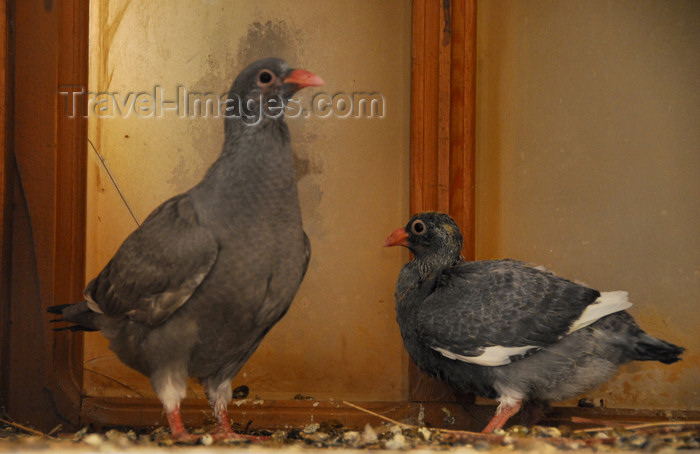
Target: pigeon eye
265,77
418,227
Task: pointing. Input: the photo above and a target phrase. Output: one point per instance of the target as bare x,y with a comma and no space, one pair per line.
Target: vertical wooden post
6,165
48,48
71,195
442,111
462,121
442,126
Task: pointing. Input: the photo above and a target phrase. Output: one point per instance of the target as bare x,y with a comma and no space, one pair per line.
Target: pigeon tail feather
649,348
80,314
73,328
57,309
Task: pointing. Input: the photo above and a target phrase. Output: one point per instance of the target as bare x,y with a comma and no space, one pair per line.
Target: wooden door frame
443,109
5,201
43,181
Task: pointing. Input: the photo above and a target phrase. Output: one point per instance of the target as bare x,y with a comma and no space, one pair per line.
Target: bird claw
185,437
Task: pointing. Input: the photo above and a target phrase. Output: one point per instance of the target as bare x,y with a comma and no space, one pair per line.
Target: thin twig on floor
609,425
460,433
370,412
25,428
662,424
54,430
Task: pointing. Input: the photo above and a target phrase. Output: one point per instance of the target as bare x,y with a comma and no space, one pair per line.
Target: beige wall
588,148
339,339
588,162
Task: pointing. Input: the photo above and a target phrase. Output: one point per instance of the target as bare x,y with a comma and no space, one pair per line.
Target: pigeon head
432,237
263,89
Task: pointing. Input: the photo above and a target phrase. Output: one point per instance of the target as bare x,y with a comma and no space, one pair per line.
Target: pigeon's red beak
301,78
398,237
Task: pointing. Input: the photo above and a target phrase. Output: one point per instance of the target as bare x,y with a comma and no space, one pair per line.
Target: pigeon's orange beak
398,237
301,78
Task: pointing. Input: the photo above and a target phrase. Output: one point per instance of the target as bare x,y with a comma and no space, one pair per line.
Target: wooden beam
70,211
49,49
462,122
6,185
442,129
442,111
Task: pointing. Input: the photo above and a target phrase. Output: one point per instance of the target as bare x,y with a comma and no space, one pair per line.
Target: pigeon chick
507,331
193,290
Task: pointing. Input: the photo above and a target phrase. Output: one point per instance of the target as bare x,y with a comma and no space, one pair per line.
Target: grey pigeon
193,290
507,331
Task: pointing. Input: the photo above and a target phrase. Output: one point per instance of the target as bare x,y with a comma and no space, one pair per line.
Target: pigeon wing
494,312
158,267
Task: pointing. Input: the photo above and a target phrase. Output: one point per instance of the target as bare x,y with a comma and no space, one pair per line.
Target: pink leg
177,429
503,413
225,432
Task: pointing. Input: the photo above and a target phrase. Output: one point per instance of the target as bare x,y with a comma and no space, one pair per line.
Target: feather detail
496,355
606,304
93,305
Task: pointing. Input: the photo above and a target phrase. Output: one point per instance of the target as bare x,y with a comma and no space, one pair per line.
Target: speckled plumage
508,331
193,291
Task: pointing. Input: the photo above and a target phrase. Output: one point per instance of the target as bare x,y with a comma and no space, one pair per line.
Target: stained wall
339,340
587,163
588,157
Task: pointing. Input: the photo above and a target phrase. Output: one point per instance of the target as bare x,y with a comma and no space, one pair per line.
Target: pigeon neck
429,263
238,132
257,158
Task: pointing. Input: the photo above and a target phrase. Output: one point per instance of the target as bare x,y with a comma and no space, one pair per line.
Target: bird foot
225,431
178,433
503,413
185,437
